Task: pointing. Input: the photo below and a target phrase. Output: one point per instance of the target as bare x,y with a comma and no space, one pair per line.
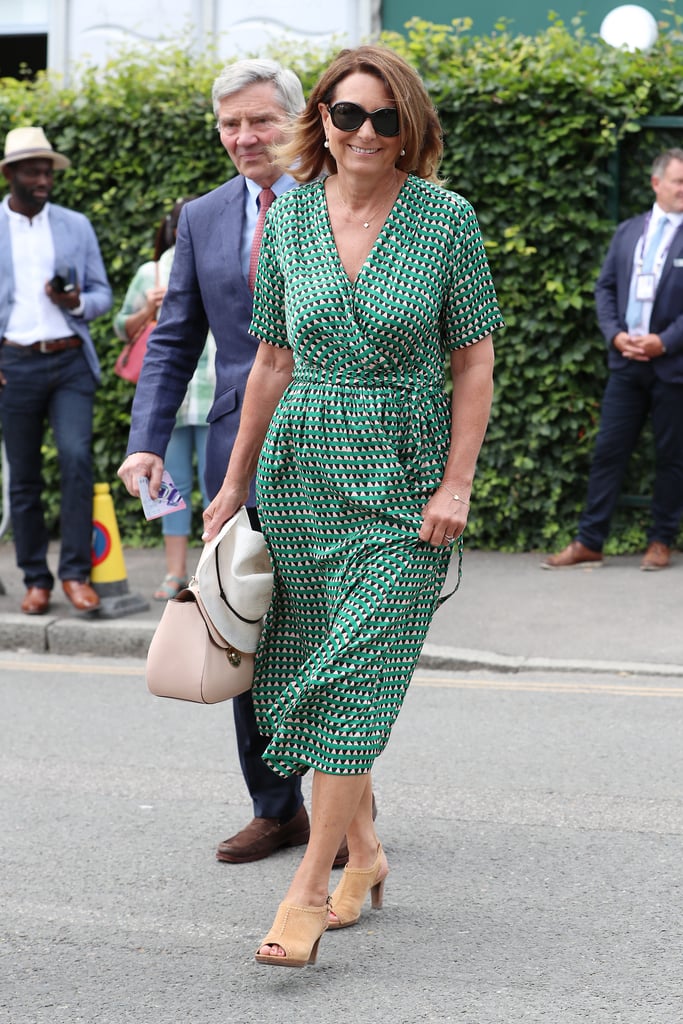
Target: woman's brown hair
304,154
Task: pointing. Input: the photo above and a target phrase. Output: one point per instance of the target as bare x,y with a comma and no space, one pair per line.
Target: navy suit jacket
206,289
611,296
75,245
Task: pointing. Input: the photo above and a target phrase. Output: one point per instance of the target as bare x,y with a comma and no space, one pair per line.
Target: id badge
645,287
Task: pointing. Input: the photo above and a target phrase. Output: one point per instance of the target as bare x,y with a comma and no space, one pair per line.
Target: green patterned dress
355,448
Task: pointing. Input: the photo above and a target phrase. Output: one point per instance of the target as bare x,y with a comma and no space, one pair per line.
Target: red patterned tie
266,197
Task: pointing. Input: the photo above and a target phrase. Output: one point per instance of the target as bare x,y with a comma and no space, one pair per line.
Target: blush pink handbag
189,660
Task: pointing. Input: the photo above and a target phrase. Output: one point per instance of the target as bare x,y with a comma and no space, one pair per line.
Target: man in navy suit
639,296
208,288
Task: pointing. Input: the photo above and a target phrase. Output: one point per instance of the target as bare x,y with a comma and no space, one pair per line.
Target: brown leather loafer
657,556
36,601
575,556
264,836
81,595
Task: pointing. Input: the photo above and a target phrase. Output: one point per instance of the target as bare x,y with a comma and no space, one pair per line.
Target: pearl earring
326,144
403,152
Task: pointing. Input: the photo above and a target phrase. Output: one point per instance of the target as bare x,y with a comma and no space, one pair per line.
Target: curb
107,639
54,635
455,659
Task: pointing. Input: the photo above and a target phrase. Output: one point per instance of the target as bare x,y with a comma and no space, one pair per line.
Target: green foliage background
547,136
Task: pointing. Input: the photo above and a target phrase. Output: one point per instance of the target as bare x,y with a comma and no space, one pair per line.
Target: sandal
348,898
297,930
170,587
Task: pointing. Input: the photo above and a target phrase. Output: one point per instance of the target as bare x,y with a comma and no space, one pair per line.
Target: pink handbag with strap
129,362
189,660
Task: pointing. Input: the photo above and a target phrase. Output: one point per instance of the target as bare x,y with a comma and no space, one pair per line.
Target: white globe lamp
629,26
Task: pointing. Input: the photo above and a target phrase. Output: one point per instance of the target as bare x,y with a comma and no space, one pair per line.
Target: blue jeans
632,394
183,444
59,389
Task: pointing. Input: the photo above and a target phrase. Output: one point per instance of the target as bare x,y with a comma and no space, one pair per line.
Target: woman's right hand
224,506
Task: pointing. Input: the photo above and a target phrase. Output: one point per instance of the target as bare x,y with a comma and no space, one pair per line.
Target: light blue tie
634,310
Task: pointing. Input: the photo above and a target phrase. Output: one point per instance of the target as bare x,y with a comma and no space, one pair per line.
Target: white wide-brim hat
31,144
235,580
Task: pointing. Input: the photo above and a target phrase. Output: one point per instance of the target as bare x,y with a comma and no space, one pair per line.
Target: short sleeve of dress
268,321
471,308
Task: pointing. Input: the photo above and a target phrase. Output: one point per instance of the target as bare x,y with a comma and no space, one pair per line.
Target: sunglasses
348,117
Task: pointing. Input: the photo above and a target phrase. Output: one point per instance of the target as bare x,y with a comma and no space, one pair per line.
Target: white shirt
33,317
670,230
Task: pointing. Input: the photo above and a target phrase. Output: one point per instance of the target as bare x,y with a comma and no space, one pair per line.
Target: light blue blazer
75,245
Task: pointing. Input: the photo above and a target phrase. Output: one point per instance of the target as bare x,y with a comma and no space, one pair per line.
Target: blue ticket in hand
169,500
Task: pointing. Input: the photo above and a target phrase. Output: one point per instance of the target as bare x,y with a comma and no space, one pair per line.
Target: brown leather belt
56,345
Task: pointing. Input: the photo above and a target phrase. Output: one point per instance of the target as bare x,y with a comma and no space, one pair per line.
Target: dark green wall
524,16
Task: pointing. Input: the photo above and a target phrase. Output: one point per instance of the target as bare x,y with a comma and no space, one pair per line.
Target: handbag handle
444,597
224,597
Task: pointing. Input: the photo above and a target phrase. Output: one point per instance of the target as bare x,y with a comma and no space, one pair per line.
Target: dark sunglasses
348,117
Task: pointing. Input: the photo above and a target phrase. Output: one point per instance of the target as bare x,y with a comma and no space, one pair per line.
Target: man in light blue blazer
208,288
52,283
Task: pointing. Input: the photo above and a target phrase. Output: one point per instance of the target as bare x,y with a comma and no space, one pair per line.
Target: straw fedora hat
235,580
31,144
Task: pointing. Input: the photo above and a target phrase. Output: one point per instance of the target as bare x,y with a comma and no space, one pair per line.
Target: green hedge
538,130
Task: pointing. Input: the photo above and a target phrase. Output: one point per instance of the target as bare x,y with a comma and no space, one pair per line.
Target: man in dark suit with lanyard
209,287
639,296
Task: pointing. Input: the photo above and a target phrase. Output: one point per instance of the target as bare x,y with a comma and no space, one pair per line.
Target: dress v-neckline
351,283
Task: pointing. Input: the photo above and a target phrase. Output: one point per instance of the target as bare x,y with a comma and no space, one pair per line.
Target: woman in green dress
369,276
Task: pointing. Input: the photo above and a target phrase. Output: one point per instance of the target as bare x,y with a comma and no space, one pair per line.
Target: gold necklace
366,223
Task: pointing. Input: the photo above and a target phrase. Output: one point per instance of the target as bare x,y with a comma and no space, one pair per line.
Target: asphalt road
533,825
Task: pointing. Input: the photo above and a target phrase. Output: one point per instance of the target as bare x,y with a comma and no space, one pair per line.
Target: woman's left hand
443,518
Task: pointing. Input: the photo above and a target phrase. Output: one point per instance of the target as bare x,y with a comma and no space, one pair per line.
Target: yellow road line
74,668
510,684
551,686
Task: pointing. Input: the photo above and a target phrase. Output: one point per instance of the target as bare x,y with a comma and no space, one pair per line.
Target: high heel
348,898
297,930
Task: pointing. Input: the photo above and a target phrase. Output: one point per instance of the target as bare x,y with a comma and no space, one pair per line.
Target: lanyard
662,256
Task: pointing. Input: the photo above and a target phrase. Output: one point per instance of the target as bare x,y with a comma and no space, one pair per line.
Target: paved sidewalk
508,615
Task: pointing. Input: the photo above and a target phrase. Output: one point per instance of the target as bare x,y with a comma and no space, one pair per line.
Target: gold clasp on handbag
234,657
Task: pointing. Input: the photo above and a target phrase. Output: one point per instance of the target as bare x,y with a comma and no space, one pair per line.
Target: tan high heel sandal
348,898
297,930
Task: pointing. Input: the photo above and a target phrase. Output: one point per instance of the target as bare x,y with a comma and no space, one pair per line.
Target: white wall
91,31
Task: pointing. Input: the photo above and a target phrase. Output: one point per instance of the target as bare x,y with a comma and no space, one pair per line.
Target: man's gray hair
242,73
662,161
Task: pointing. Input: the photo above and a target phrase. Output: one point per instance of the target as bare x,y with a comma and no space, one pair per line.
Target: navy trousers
633,393
272,795
56,388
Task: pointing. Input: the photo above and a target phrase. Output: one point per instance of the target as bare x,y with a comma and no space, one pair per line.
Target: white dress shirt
33,317
660,256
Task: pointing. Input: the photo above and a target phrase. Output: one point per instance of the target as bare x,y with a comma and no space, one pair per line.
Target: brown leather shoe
657,556
575,556
81,595
264,836
36,601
